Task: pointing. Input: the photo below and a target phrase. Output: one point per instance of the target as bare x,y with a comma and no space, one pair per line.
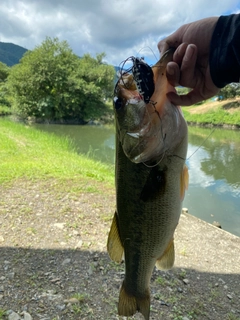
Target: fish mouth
141,145
147,127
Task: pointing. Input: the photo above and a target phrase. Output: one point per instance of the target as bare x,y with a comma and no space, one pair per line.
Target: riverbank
33,154
55,213
211,113
54,263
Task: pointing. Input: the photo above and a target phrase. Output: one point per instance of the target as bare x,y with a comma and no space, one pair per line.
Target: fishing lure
143,76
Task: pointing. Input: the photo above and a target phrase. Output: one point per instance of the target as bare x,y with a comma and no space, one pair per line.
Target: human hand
190,66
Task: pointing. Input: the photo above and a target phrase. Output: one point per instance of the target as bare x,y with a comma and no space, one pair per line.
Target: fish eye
118,103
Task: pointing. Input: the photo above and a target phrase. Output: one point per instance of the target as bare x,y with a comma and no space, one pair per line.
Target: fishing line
175,155
156,164
202,143
150,50
125,71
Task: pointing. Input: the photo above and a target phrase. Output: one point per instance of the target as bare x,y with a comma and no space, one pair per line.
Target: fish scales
149,194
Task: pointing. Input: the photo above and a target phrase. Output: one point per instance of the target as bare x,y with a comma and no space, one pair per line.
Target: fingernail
170,70
189,52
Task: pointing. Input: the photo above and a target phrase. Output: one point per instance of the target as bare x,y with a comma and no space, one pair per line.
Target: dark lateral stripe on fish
155,184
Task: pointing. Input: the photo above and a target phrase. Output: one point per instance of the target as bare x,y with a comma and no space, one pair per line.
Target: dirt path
230,105
54,265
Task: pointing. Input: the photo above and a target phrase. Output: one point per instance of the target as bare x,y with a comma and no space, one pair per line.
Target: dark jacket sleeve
224,57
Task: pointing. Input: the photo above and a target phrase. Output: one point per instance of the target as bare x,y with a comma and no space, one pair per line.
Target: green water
214,189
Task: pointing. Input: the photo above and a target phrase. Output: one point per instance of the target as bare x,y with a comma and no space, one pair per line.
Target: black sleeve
224,57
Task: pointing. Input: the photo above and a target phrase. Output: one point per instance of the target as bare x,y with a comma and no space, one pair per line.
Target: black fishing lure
143,76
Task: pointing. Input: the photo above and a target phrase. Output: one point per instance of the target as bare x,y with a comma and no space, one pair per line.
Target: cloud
120,28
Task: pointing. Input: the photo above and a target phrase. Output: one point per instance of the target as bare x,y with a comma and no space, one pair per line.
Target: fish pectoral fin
166,261
184,181
129,304
114,244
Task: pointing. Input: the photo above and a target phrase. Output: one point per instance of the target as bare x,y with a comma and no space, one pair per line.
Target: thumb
163,46
186,99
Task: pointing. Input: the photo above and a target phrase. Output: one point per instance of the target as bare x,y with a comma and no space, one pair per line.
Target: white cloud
120,28
197,177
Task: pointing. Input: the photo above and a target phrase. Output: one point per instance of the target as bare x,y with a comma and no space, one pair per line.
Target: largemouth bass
151,178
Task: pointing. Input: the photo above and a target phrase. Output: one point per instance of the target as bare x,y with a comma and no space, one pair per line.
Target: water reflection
214,189
214,170
98,142
222,156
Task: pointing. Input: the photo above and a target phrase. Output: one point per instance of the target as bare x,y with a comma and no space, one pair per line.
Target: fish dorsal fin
114,244
184,181
166,261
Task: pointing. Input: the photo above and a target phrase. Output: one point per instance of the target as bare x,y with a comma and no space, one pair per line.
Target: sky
120,28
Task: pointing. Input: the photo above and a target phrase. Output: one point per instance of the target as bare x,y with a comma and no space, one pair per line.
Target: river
214,169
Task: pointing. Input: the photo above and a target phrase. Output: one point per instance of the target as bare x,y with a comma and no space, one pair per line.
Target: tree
4,72
52,83
230,91
95,82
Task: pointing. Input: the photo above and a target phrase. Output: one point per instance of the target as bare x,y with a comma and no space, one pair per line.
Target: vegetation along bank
52,84
56,208
56,205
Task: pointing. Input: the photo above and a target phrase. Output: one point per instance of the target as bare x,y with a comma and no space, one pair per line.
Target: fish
150,180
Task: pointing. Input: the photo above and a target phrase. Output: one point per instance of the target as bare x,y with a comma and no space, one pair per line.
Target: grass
2,313
81,297
28,153
219,113
4,111
216,117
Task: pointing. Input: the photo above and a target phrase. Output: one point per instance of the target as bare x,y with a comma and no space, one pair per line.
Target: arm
225,51
200,61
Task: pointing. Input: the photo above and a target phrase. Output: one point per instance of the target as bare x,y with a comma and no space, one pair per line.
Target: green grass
4,111
26,152
2,313
215,117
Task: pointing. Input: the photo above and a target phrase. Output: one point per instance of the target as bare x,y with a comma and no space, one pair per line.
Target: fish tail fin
166,261
129,304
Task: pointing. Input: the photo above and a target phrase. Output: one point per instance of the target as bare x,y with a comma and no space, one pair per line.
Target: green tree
95,82
230,91
52,83
4,97
4,71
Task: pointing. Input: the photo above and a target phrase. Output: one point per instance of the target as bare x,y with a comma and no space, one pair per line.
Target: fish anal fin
114,245
184,181
129,304
166,261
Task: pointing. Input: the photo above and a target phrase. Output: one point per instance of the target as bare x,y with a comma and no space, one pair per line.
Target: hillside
10,53
215,113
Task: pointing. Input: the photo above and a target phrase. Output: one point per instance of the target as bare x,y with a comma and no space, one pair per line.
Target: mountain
10,53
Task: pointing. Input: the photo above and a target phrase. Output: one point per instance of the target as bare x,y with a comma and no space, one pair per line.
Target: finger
173,73
179,53
188,66
185,100
171,41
